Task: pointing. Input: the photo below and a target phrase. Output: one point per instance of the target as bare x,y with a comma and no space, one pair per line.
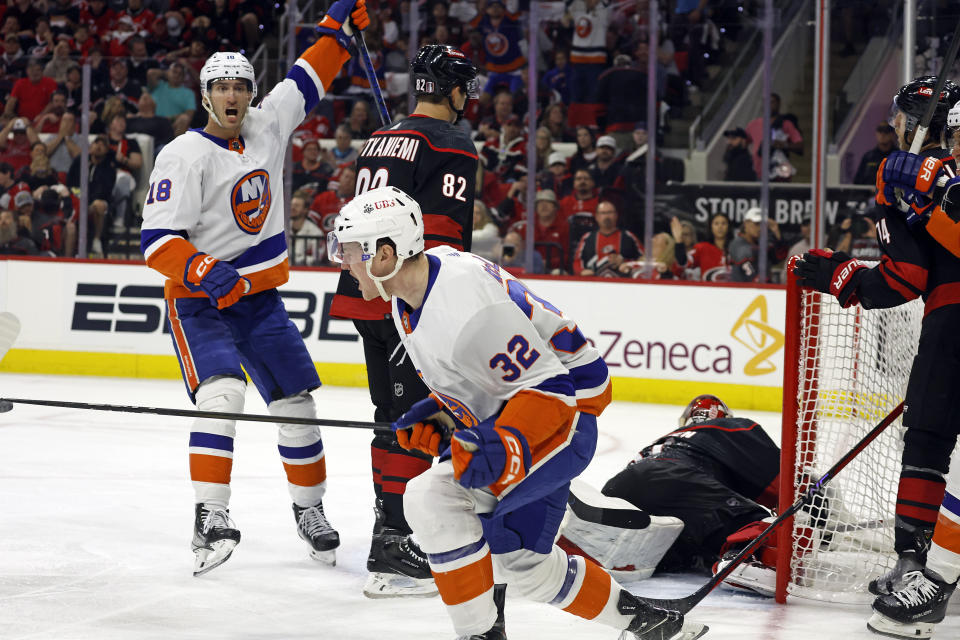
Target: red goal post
844,371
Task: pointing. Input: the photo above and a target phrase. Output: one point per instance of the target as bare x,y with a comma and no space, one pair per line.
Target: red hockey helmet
704,407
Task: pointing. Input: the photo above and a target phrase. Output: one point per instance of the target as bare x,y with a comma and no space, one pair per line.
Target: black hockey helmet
438,68
912,99
704,407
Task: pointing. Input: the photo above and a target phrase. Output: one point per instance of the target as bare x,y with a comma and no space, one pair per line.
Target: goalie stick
683,605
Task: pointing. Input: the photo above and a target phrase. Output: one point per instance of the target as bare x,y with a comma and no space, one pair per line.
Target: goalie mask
702,408
386,213
225,65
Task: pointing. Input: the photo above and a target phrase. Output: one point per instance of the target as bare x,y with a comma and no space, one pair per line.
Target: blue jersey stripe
568,580
951,504
266,250
149,236
305,83
560,385
590,375
300,453
211,441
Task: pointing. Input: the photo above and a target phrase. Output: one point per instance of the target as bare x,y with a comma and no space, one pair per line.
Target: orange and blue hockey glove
216,278
493,457
342,17
425,427
915,177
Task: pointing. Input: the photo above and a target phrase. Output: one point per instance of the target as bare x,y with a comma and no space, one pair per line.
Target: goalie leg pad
211,441
301,449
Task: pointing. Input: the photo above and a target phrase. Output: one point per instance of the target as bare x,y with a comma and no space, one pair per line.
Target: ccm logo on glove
513,470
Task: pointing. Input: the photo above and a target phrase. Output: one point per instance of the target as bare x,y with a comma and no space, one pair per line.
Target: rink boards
663,342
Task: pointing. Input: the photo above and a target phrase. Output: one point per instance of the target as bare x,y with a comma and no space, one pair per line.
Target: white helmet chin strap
378,280
205,101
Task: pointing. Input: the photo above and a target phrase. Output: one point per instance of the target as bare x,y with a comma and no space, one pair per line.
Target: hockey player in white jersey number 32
213,224
526,389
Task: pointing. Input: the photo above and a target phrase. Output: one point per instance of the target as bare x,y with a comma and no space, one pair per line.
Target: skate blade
389,585
884,626
326,557
209,558
692,631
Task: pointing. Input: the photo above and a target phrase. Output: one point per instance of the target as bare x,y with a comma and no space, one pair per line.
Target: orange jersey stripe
508,67
171,258
204,468
947,534
593,594
543,420
182,346
306,475
326,57
595,405
588,59
269,278
945,231
466,583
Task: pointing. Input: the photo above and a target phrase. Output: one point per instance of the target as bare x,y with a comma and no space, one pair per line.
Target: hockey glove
216,278
425,427
914,177
489,457
832,272
340,15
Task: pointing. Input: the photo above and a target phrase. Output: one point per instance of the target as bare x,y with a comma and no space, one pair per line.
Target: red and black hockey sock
393,467
918,503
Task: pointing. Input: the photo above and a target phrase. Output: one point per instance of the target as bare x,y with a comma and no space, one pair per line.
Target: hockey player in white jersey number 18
526,389
214,226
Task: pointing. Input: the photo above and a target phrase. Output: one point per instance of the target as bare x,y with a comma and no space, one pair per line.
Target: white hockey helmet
225,65
382,213
953,123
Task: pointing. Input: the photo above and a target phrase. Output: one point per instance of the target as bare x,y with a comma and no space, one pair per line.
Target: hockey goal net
845,370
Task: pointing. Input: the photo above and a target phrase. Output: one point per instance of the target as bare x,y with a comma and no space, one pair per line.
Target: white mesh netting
853,371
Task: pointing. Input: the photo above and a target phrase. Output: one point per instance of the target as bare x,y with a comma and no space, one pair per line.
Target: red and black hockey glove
832,272
489,457
218,279
337,21
425,427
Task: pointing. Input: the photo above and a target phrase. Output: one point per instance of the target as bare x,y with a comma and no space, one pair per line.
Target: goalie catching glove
915,176
216,278
340,15
832,272
494,457
425,427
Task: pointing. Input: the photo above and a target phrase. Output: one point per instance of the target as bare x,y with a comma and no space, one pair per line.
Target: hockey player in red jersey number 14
214,226
912,213
525,388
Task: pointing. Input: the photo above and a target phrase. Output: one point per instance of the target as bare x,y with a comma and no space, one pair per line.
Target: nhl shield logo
250,201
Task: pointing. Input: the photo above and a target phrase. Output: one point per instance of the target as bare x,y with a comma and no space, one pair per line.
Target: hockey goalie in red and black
716,472
427,156
913,265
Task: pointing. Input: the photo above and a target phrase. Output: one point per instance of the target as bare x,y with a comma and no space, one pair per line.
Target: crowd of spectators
144,57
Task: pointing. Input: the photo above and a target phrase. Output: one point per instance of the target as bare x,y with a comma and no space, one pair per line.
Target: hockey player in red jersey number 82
911,600
214,226
434,161
526,388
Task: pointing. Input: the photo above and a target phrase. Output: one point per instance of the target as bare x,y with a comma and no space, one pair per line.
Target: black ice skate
312,525
911,559
652,623
214,538
396,564
914,610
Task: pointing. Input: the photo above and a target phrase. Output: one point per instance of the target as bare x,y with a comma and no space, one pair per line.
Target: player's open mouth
231,111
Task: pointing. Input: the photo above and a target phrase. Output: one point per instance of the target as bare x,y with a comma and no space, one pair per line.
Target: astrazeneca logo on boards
753,332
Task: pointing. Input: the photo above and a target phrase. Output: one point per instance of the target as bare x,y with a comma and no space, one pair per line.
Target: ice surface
96,514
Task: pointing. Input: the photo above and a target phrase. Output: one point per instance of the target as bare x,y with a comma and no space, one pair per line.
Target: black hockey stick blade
683,605
193,413
948,60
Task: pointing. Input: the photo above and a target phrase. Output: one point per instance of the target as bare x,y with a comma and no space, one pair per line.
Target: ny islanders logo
250,201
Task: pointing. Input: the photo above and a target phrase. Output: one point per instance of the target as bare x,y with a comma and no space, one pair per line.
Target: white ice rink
96,517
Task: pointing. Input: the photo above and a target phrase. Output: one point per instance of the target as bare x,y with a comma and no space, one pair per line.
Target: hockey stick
683,605
371,74
192,413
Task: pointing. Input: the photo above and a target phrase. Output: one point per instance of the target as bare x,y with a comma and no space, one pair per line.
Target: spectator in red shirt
707,260
48,120
607,250
505,154
142,18
98,17
16,151
551,234
584,199
327,204
30,95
